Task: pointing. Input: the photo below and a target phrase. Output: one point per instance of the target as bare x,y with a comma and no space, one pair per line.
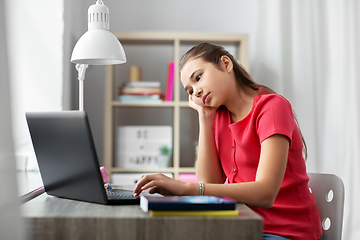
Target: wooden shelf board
149,104
135,170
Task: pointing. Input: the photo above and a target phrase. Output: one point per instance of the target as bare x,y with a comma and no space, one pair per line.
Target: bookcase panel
189,133
143,116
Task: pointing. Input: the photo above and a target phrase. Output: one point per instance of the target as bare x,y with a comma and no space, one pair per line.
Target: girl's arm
208,167
259,193
269,176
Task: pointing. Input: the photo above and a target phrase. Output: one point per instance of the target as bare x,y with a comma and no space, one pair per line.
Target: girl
248,137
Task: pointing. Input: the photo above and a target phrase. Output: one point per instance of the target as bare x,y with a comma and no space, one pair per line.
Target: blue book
186,203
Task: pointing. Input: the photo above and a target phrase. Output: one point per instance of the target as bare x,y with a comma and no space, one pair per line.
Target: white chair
329,192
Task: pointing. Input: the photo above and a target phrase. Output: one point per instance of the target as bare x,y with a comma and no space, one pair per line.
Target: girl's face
206,84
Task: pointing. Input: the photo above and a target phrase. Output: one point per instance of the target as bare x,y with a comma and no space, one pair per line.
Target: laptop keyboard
116,195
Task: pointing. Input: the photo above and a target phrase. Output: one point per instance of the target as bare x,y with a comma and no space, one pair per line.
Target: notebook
67,158
186,203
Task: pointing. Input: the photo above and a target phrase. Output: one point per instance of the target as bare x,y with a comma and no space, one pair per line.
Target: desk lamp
98,46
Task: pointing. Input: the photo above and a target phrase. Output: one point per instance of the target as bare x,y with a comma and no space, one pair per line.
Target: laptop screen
66,155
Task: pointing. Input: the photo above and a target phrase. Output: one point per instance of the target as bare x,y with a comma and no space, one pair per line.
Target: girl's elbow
267,196
266,204
267,201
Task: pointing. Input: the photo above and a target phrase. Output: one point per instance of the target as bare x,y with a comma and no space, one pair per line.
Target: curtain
9,201
35,36
309,51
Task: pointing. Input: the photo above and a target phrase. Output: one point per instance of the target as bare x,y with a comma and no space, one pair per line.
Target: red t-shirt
294,214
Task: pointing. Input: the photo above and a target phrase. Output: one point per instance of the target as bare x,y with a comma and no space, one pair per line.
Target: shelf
137,170
149,104
187,170
180,170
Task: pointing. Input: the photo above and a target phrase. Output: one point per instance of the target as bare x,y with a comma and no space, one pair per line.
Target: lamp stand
81,68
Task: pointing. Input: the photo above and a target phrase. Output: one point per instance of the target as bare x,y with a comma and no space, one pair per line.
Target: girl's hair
212,53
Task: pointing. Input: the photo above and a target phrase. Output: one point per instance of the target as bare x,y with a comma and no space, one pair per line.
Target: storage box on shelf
153,51
147,147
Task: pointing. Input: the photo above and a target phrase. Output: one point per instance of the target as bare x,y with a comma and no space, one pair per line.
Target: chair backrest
329,192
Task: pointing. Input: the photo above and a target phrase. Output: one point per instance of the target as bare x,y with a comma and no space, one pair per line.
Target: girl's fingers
193,105
148,185
156,183
155,190
138,186
145,182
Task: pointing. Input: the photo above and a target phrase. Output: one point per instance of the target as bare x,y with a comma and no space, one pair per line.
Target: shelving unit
118,113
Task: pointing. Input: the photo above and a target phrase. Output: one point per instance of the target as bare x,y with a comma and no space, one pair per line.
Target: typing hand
159,183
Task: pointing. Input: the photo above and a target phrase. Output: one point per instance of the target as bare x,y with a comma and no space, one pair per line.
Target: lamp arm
81,68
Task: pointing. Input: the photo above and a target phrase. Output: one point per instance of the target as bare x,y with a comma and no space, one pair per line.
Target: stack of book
188,206
140,91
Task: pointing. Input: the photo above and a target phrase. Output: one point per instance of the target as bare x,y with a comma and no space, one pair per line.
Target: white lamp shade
98,47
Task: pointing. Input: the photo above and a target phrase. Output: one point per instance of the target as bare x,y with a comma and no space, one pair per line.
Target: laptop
67,158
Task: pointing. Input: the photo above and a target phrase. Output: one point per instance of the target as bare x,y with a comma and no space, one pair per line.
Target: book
170,82
186,203
143,84
159,95
216,213
131,89
140,98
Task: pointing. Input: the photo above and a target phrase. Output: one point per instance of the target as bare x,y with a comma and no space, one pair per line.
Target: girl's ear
227,63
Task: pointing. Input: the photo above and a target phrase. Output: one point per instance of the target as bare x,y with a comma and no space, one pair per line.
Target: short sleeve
275,116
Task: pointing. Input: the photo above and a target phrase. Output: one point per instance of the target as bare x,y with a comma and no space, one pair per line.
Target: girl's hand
159,183
202,110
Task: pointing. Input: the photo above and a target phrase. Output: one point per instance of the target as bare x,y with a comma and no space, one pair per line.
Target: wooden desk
50,218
